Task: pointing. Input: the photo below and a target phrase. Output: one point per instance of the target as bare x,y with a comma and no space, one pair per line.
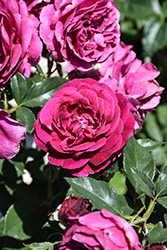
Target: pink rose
100,230
126,74
11,134
71,207
79,31
84,126
20,45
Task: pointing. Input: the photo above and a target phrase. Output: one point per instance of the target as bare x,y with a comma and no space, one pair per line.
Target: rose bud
156,247
71,207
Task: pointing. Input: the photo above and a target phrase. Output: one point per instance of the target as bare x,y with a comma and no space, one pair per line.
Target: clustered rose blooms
84,126
20,45
71,207
11,134
126,74
79,31
99,230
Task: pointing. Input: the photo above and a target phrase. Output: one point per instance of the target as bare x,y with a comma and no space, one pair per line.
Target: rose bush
84,126
100,230
81,32
126,74
11,134
72,206
18,49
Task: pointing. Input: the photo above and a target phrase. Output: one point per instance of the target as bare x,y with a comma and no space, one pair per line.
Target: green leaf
13,225
149,144
99,193
154,35
137,157
162,201
19,85
157,234
26,117
39,69
144,182
161,189
19,167
41,92
41,246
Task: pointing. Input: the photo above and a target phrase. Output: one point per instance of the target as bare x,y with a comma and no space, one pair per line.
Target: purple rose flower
84,126
79,31
99,230
126,74
20,45
11,134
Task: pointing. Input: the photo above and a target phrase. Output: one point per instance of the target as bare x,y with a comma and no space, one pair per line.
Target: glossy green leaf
41,92
41,246
162,183
163,201
138,157
157,234
149,144
99,193
144,182
154,35
19,85
26,117
14,225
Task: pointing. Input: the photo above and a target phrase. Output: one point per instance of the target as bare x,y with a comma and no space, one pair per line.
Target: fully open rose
84,126
81,32
98,231
11,134
20,45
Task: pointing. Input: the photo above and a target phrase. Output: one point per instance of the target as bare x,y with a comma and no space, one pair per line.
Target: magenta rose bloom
79,31
71,207
98,231
126,74
20,45
11,134
84,126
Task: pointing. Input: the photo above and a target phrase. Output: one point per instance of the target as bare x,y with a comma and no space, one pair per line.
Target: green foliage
30,93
